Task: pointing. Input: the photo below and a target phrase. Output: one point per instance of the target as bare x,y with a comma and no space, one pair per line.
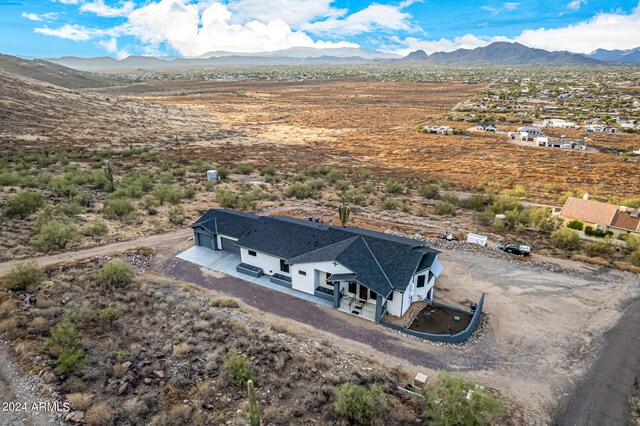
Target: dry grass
627,267
7,307
100,414
40,324
181,350
79,401
593,260
225,303
8,324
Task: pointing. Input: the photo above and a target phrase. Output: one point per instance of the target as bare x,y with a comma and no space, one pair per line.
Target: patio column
379,301
336,294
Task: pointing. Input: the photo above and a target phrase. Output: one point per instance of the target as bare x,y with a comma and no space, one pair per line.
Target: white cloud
99,8
372,18
293,12
110,45
69,32
195,29
51,16
67,1
605,30
576,4
506,7
468,41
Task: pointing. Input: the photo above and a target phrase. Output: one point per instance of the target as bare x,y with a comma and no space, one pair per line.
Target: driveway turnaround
328,320
226,262
603,398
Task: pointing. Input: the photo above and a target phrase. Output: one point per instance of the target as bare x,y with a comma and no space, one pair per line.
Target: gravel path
153,241
321,318
602,399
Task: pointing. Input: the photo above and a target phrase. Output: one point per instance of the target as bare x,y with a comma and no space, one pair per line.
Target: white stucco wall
393,306
309,282
270,265
401,301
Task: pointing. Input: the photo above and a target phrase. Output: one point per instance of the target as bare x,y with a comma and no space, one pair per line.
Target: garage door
204,240
227,245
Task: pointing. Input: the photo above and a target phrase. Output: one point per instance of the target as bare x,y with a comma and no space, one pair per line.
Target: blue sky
52,28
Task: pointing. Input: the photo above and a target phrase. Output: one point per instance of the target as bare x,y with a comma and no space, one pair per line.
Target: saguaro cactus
109,175
254,415
343,213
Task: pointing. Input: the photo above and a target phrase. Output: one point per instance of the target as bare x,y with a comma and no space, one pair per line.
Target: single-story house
362,272
440,130
487,127
531,130
559,123
602,216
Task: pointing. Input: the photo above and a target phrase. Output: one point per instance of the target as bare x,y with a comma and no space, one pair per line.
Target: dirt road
154,241
602,399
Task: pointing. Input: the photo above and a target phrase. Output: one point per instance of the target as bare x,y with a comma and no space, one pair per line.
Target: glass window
283,266
252,253
353,287
373,294
420,281
302,272
390,296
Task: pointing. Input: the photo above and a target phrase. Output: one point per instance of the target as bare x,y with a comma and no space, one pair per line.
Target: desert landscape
119,172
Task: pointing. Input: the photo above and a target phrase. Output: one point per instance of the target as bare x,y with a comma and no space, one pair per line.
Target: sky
189,28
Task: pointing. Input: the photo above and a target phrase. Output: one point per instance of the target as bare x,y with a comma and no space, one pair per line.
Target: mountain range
503,53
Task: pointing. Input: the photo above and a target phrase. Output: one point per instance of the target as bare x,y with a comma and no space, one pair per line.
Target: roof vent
635,213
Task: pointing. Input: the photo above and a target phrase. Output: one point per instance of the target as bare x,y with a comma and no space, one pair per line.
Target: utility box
212,176
420,381
481,240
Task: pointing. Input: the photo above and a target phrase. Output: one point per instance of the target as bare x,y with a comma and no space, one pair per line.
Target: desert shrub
505,203
354,196
243,201
630,202
24,203
543,219
100,414
430,191
575,224
69,361
446,403
176,215
95,229
565,238
520,191
268,171
634,258
335,175
316,184
299,190
597,232
63,336
244,169
116,273
363,174
149,203
63,188
181,350
393,186
341,185
369,188
485,218
223,172
24,276
237,367
84,199
109,314
272,179
598,248
121,355
359,404
189,193
225,303
54,235
118,208
167,194
389,204
443,208
633,242
69,209
478,202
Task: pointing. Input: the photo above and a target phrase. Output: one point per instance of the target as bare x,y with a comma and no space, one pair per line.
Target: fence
445,338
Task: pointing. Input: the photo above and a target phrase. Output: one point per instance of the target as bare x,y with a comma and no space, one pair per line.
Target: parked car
515,248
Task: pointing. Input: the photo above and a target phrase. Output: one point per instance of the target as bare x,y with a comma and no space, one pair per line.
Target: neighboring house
363,272
531,130
601,128
487,127
602,216
440,130
558,123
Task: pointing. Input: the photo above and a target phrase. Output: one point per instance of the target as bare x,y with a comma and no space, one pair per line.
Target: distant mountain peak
416,55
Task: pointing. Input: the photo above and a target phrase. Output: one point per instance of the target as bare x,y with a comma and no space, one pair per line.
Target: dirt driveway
545,329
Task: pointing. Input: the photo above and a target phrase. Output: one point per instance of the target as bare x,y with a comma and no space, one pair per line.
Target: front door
364,292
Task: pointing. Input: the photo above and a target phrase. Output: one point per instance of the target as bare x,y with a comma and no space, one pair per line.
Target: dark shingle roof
228,222
381,261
